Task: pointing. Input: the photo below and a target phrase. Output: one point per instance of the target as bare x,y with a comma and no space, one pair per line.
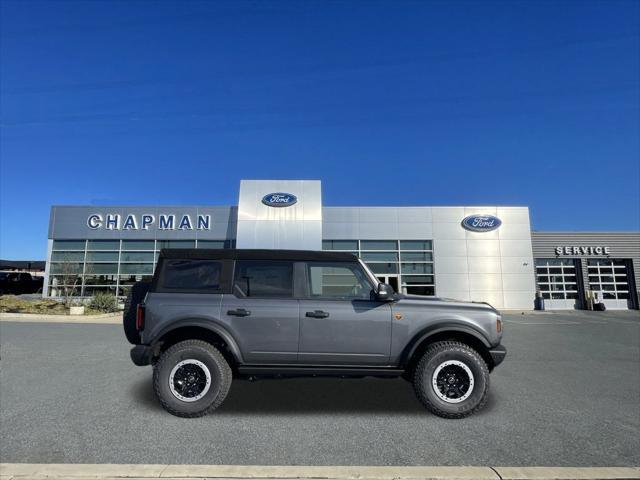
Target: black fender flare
428,332
207,324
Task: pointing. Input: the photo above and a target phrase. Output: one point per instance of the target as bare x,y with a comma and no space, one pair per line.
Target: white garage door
557,282
610,280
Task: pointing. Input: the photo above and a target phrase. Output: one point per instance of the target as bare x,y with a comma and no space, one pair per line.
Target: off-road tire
434,356
220,382
136,296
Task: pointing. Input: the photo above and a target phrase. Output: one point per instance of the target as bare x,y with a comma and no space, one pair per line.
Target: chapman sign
147,221
589,250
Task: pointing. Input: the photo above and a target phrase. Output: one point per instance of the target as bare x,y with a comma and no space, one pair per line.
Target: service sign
583,250
279,199
481,223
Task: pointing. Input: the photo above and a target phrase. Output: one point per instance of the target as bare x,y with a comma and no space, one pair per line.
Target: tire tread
418,373
226,376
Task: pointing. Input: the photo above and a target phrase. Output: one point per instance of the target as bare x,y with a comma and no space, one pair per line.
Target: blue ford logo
481,223
279,199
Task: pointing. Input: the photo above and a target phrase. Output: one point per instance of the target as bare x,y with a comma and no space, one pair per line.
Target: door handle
240,312
317,314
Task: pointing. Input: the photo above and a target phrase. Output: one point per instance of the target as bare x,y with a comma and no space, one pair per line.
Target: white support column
47,267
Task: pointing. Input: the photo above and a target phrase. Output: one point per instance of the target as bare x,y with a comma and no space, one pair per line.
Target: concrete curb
567,473
23,471
106,318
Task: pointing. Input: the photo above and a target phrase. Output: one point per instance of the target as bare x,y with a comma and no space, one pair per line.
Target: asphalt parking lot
567,394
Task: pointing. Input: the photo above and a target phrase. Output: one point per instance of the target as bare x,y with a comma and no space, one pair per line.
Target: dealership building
479,253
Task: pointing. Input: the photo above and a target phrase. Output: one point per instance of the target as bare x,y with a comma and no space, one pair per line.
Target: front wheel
191,378
451,380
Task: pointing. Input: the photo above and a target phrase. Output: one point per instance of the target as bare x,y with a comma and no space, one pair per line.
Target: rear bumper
497,354
141,355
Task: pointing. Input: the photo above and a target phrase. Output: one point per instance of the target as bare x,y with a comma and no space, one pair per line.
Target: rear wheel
451,380
191,378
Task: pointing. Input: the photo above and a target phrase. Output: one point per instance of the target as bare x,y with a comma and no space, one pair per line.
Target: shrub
13,304
104,302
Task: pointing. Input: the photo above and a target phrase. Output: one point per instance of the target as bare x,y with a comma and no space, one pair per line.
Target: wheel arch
199,329
467,335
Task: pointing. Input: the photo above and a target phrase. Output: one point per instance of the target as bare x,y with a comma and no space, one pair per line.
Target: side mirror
385,292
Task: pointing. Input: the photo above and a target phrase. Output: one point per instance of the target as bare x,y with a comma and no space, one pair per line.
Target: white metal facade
494,267
297,227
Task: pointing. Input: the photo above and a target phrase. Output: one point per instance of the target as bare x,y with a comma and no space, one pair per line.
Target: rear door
261,311
341,323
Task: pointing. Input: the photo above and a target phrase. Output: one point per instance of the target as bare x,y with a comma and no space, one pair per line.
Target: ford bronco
211,316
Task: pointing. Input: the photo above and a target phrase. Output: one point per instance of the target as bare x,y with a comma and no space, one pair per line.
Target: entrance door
391,280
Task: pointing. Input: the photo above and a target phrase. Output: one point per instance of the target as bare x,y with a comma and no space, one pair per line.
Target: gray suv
211,316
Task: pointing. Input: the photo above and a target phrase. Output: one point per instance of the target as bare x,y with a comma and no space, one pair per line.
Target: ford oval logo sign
279,199
481,223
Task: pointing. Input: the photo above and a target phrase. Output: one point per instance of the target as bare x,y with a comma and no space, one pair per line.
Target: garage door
558,284
610,280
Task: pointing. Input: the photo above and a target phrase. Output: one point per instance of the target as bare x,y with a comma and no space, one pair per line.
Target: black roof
246,254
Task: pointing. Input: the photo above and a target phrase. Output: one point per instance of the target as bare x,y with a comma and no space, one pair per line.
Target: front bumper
497,354
141,355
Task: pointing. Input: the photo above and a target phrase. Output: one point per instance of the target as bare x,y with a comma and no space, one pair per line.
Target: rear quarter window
191,275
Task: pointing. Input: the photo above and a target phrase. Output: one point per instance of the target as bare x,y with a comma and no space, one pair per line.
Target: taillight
499,325
140,317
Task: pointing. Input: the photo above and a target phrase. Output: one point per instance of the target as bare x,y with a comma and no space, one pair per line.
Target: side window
338,280
191,275
263,278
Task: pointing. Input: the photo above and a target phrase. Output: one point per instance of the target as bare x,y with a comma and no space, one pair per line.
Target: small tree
69,272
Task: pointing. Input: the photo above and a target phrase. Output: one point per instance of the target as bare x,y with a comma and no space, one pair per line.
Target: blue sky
388,103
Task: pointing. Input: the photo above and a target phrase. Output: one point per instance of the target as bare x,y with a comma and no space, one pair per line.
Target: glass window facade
411,261
110,266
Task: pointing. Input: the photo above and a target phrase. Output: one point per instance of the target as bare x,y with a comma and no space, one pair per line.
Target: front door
261,313
341,323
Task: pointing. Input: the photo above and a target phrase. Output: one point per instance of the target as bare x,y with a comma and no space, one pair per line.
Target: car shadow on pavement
325,395
307,396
